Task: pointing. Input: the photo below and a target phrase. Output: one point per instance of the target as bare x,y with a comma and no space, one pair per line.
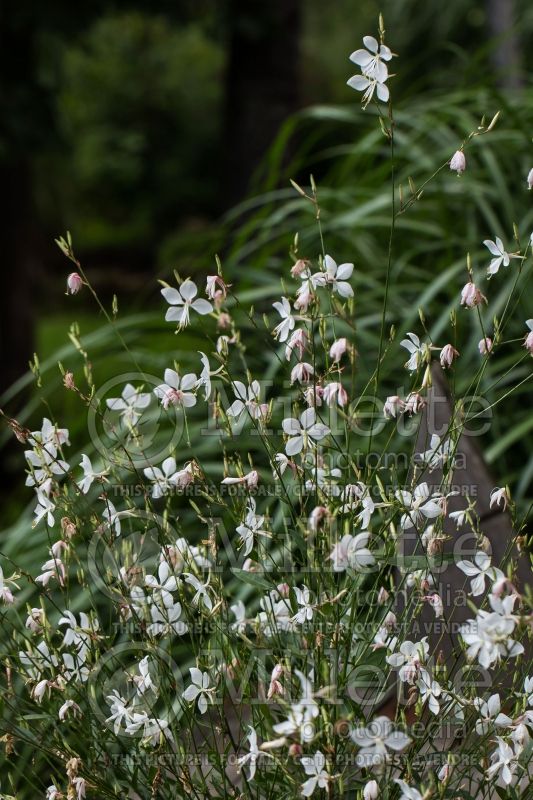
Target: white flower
205,375
44,464
131,400
50,434
315,767
500,255
301,714
504,761
252,757
282,330
335,276
166,620
67,705
176,391
410,659
420,504
499,497
201,593
143,681
89,474
199,689
247,398
376,739
303,432
371,59
488,636
438,453
112,517
182,300
352,552
163,479
479,570
53,793
119,712
165,583
44,508
408,792
489,712
238,610
306,608
429,692
415,348
251,526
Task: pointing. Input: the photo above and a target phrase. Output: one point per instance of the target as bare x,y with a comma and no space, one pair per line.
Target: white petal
202,307
172,296
188,290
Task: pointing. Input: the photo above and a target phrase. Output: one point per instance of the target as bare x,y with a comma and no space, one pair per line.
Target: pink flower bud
383,596
393,406
458,162
485,346
300,266
313,395
317,515
338,349
371,791
335,391
68,380
414,403
284,589
74,283
471,296
302,373
295,750
224,321
447,356
298,342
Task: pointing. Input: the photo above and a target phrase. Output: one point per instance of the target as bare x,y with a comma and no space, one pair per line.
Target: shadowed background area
140,128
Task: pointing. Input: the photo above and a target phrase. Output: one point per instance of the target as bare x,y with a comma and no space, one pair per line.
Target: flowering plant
284,618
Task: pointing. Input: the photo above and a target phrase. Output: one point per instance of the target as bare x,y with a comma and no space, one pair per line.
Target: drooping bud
371,791
447,356
74,283
458,162
485,346
471,296
338,349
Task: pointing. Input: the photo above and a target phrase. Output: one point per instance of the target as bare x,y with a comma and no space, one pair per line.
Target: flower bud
485,346
471,296
371,791
393,406
447,355
383,596
338,349
74,283
68,380
528,341
458,162
299,267
530,179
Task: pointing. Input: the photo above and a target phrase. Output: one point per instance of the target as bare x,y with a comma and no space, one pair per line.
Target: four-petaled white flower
306,609
500,255
351,552
176,391
303,432
489,714
430,691
250,527
251,758
90,474
420,505
199,689
504,762
410,659
371,59
247,398
416,349
335,276
315,767
182,300
163,479
128,404
376,740
479,570
283,328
